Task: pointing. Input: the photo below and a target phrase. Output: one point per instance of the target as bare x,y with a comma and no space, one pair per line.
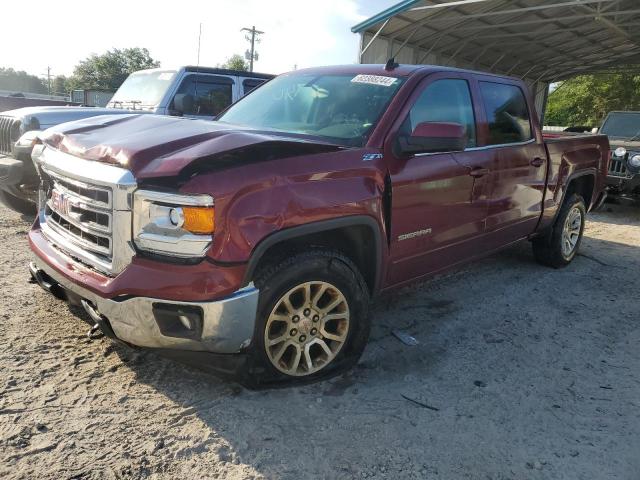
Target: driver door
439,200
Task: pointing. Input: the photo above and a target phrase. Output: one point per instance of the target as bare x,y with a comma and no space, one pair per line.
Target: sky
300,33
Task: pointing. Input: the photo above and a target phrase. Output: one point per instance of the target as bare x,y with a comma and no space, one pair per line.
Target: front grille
9,131
618,168
81,213
85,209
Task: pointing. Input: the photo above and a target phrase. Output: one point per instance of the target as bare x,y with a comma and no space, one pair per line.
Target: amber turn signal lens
199,219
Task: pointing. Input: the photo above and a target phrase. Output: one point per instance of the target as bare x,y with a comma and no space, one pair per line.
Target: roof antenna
391,64
195,87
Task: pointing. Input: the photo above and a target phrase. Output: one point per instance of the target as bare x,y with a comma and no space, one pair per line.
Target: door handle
537,162
478,172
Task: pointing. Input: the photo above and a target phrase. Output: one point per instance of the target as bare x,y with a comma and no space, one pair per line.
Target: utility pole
49,80
199,37
253,38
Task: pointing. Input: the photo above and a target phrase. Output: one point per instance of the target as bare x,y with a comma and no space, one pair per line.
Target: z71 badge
367,157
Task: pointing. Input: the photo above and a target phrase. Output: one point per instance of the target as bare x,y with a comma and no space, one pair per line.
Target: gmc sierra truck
253,244
196,92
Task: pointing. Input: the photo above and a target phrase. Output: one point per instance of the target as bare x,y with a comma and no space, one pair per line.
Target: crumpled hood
159,146
41,118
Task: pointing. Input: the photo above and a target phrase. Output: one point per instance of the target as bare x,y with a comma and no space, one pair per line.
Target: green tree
109,70
236,62
586,99
20,81
59,85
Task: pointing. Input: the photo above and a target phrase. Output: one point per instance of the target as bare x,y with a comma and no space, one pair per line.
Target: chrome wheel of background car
307,328
571,232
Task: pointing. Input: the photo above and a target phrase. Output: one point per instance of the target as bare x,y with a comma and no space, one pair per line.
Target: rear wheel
560,247
17,204
312,319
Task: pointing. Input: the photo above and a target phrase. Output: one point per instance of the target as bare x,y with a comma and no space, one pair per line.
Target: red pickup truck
253,244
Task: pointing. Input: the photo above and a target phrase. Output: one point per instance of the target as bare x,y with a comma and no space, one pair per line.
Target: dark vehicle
623,130
253,245
196,92
578,129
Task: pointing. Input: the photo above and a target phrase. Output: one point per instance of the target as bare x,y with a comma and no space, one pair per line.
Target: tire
17,204
552,249
293,330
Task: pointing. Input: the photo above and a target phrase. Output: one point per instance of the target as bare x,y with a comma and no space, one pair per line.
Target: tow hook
94,332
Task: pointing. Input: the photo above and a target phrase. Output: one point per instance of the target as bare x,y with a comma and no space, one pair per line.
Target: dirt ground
521,372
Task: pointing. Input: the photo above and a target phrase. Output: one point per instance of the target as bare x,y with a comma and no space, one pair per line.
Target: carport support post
362,52
542,107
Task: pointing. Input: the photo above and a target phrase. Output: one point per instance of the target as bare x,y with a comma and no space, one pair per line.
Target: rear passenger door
517,169
204,96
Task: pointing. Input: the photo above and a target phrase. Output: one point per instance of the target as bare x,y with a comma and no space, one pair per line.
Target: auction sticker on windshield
374,80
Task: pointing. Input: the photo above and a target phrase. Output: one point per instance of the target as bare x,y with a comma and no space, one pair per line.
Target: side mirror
594,130
183,104
432,137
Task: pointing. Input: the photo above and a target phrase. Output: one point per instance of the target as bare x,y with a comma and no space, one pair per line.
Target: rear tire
561,245
17,204
312,320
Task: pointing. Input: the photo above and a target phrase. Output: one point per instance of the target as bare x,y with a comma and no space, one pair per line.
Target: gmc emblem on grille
59,202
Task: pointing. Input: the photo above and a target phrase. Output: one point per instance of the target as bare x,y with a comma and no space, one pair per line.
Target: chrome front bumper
227,325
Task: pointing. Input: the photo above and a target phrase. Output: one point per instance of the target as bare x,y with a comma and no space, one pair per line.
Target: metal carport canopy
541,41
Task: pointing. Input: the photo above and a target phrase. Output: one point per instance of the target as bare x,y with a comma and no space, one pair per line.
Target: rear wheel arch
583,183
358,237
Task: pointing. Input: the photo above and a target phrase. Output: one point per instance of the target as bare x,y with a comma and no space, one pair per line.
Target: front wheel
560,247
312,319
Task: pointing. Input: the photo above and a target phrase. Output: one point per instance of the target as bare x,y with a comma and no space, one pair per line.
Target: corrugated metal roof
542,40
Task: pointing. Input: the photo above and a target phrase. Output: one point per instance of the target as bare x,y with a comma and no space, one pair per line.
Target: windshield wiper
634,137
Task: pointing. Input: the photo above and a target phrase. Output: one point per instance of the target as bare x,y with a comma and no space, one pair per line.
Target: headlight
635,161
620,152
173,224
28,139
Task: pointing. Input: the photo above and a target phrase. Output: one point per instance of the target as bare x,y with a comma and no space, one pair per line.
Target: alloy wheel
571,232
307,328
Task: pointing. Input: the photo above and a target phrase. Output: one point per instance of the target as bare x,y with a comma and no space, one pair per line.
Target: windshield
143,89
622,124
341,108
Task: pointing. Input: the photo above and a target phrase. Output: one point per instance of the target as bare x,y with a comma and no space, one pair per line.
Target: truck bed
569,157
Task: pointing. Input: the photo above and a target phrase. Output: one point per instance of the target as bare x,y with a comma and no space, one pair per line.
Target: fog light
178,321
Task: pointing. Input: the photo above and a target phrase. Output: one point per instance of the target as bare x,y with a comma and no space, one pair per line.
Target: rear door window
447,100
507,113
208,94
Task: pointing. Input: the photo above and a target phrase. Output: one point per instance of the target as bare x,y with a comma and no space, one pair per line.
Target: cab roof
402,70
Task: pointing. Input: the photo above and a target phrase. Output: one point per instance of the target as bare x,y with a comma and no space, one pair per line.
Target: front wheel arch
358,237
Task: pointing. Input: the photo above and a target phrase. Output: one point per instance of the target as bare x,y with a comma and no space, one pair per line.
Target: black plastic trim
582,173
226,71
317,227
230,366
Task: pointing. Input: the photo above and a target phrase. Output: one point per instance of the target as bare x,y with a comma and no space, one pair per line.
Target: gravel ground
520,372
